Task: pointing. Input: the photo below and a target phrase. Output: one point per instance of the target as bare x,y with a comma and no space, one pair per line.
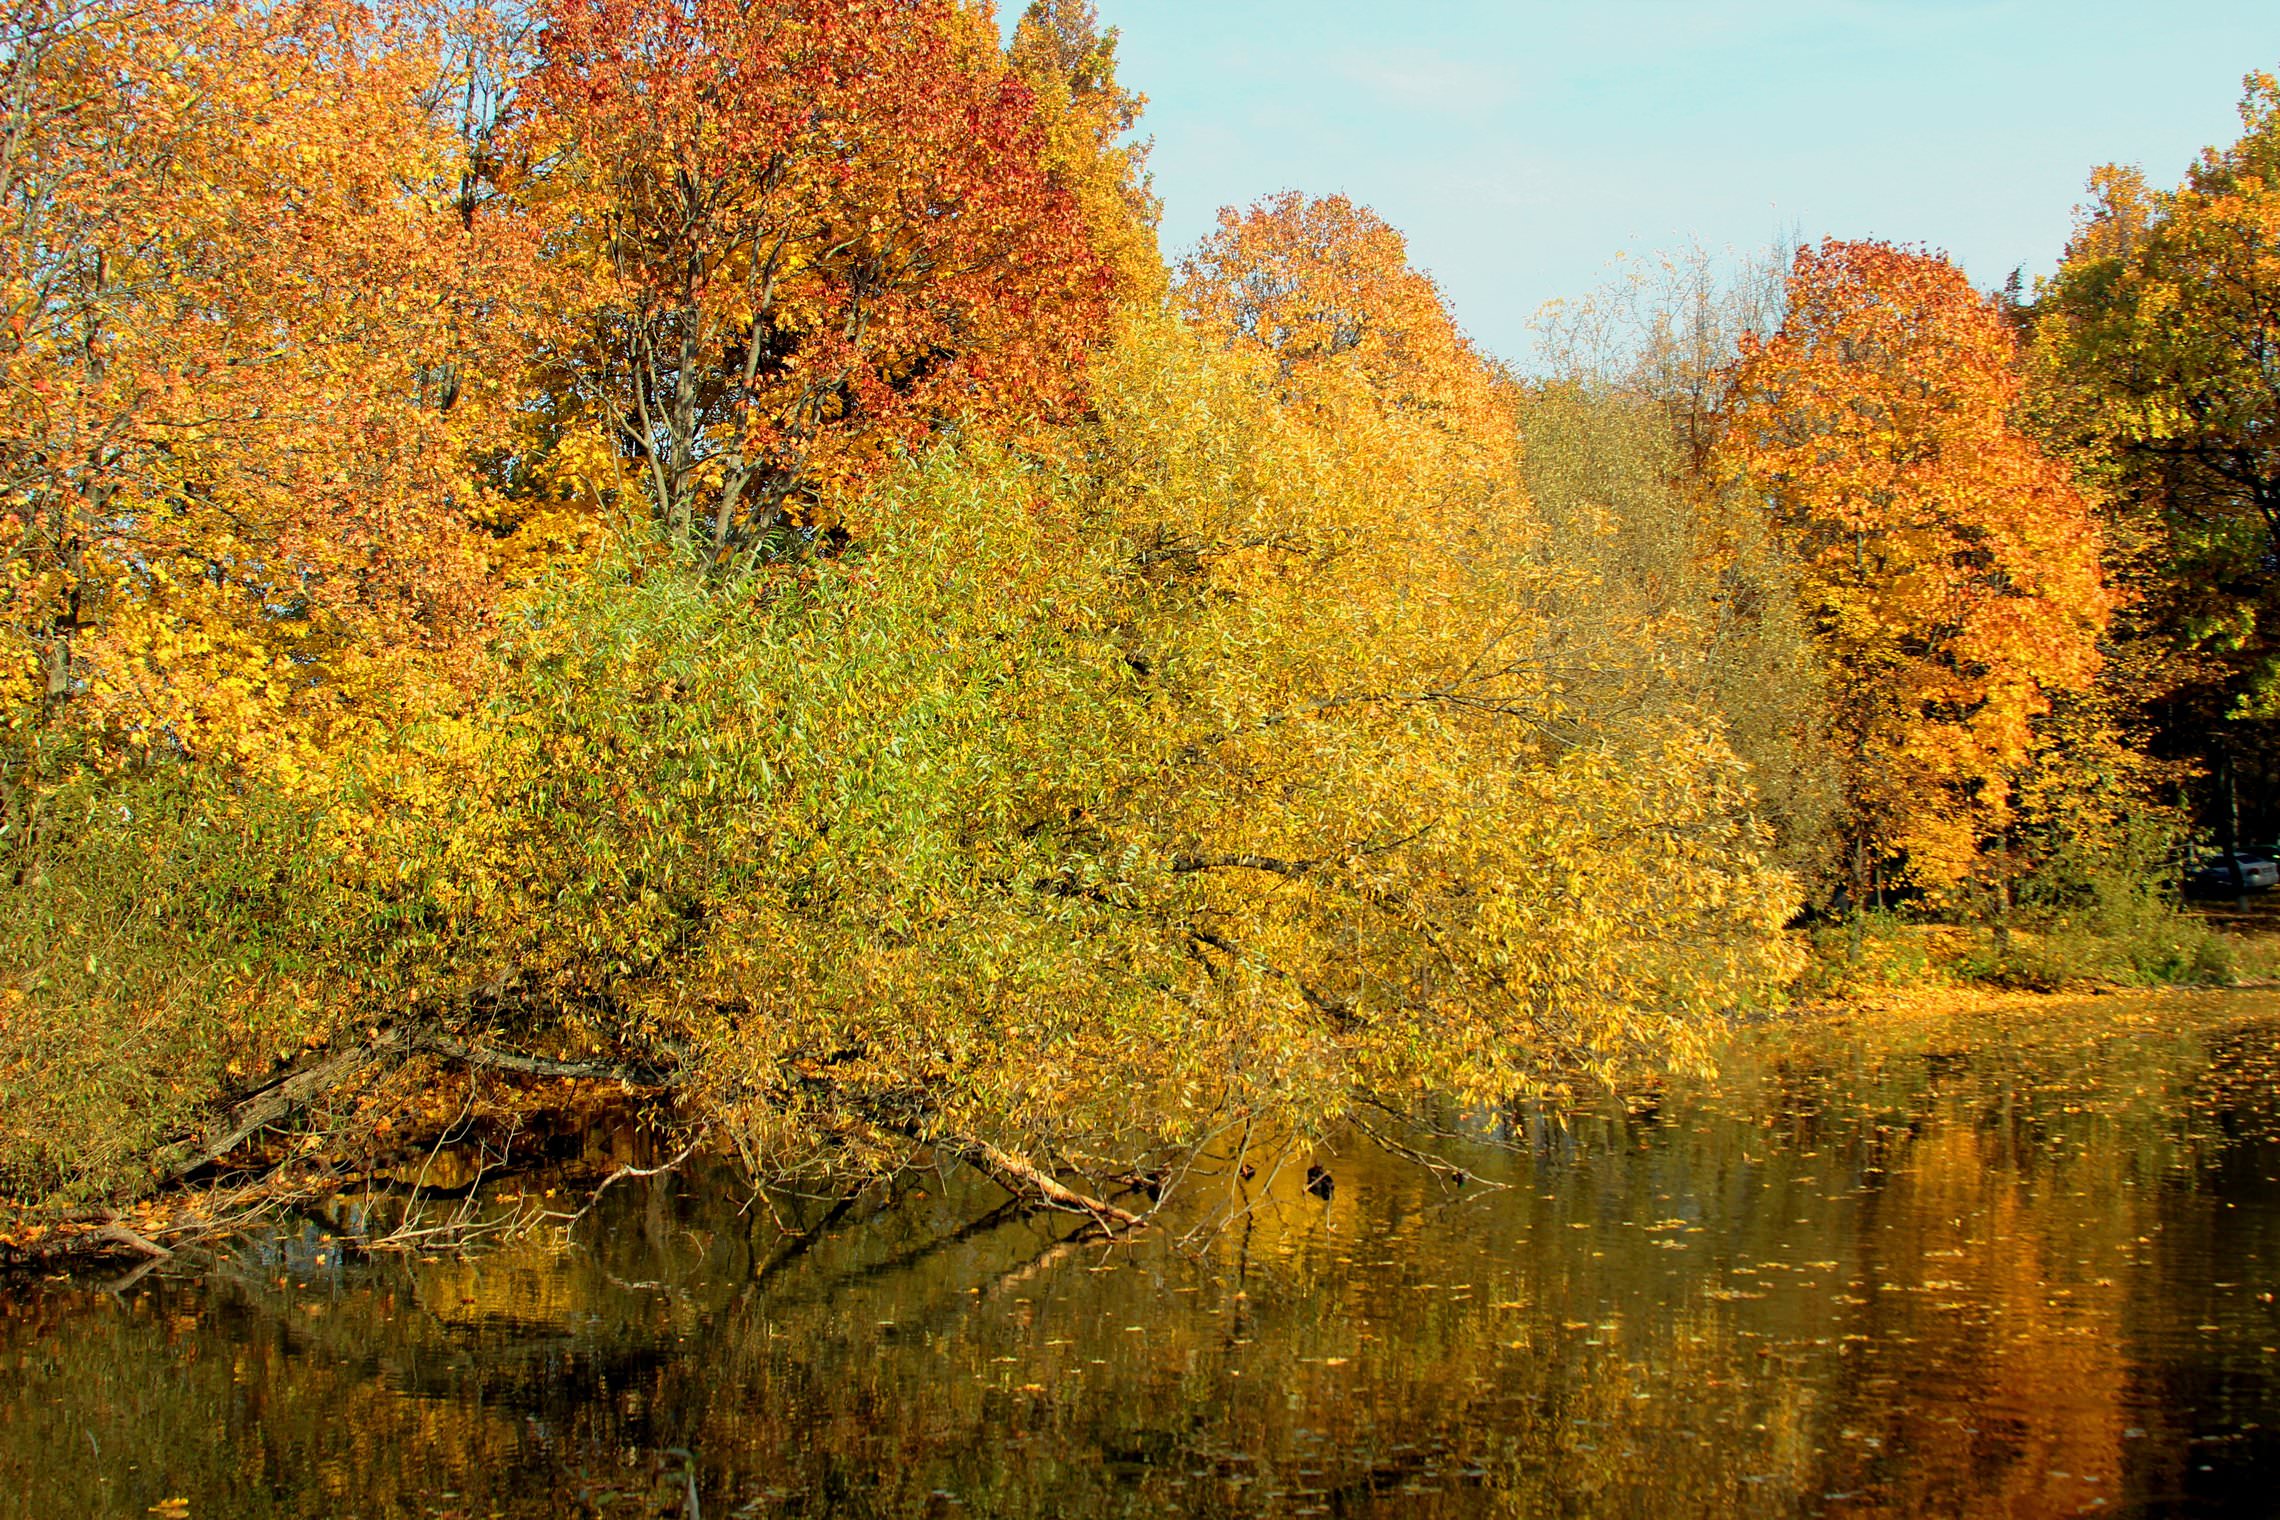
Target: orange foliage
1326,287
1060,51
1949,567
791,232
238,292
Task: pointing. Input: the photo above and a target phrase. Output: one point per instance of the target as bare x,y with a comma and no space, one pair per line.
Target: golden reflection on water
2010,1265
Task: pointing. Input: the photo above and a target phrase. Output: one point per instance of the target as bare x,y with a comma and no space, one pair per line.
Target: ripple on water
2017,1265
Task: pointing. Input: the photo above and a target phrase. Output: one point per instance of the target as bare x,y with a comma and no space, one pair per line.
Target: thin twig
637,1173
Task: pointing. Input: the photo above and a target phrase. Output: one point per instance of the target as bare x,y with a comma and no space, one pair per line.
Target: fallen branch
624,1172
1008,1169
274,1103
281,1099
492,1059
140,1245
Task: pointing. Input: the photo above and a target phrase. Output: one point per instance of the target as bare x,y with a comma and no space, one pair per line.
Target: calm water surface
2015,1265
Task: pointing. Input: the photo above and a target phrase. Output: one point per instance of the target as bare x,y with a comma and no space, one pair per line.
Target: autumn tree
2153,366
1069,62
242,293
1257,763
1620,448
1652,545
1326,287
1667,330
788,234
1947,566
251,373
1434,698
1093,812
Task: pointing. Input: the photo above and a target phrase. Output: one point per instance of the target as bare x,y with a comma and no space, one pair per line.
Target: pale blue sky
1523,143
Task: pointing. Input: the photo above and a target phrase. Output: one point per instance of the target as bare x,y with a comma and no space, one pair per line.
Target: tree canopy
1949,566
782,237
698,549
2155,350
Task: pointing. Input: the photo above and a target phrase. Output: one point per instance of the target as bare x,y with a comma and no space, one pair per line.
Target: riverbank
458,1124
2016,1263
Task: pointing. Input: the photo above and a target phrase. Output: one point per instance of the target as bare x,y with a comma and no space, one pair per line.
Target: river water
2017,1264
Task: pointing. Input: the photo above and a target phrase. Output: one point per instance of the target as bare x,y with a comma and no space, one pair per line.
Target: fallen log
492,1059
297,1090
1008,1170
140,1245
273,1103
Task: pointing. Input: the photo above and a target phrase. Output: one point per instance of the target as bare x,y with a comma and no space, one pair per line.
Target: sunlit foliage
1619,447
236,432
1060,51
1084,814
697,548
784,236
1326,287
2157,334
1949,566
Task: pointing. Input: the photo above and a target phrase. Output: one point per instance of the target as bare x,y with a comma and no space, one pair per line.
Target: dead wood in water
1017,1176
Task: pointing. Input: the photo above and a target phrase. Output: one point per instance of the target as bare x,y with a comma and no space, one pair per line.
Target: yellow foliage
239,415
1251,749
1949,567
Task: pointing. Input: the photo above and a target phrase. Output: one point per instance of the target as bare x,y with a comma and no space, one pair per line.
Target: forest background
698,549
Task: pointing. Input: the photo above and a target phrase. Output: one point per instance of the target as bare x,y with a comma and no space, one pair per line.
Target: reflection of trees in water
1932,1275
1989,1382
2212,1254
496,1372
2014,1204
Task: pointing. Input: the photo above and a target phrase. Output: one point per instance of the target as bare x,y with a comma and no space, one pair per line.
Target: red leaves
817,225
